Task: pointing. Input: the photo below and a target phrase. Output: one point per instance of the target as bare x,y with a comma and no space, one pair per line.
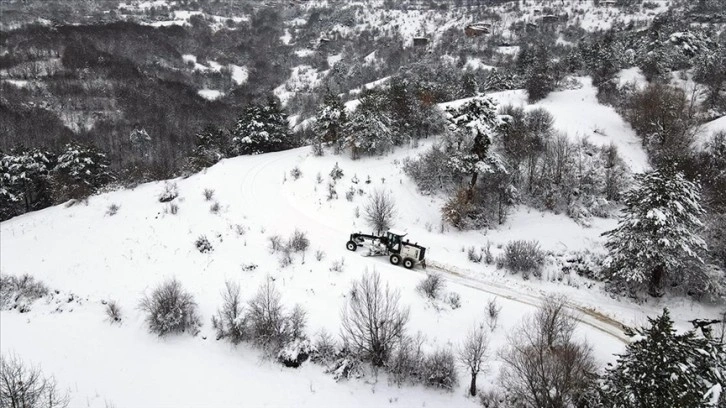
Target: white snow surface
239,74
210,94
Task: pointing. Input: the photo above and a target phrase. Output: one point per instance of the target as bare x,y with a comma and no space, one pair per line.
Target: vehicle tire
408,263
352,246
395,259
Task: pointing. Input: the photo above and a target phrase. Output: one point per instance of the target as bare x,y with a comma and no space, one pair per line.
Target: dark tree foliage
261,128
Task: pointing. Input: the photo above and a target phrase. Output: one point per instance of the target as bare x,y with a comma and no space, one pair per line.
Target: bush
432,286
230,321
439,370
324,348
493,310
173,208
295,353
170,192
319,255
336,173
299,241
407,360
20,292
275,243
338,266
113,312
25,387
203,244
454,300
295,173
473,256
214,208
208,194
112,210
268,325
170,309
523,256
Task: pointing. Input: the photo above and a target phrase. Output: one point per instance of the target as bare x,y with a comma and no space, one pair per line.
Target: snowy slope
83,251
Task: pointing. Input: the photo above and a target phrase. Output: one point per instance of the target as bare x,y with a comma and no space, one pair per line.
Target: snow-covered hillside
89,257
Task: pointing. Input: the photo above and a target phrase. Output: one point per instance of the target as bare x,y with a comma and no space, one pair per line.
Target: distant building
420,41
477,29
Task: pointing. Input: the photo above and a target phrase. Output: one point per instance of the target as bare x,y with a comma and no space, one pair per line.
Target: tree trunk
472,183
656,282
472,387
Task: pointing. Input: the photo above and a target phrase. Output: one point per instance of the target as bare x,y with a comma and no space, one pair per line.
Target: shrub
373,322
113,312
473,256
324,348
203,245
295,353
319,255
25,387
299,241
336,173
338,266
170,309
407,360
454,300
230,321
493,310
439,370
214,208
432,286
112,210
20,292
275,243
173,208
170,192
208,194
266,318
523,256
295,173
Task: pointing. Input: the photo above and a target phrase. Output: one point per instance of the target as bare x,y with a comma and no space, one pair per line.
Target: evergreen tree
368,133
261,129
661,368
330,121
471,128
24,181
211,145
540,78
80,171
657,240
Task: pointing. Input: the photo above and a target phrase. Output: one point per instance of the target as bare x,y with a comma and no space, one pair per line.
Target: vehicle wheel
351,246
395,259
408,263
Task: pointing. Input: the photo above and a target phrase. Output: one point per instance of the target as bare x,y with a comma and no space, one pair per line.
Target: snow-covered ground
80,250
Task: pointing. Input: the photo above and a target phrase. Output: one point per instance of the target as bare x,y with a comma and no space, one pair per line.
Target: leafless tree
25,387
266,317
230,321
543,366
373,320
473,353
380,210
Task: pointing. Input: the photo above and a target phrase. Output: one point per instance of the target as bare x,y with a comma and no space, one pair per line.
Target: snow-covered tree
24,181
657,240
211,146
661,368
260,129
471,127
330,121
80,171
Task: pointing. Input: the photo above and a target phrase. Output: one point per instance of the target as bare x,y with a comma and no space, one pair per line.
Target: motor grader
390,244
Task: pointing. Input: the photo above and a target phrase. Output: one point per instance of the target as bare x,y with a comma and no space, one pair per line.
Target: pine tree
330,121
368,133
661,368
80,171
24,181
471,128
261,129
657,240
211,146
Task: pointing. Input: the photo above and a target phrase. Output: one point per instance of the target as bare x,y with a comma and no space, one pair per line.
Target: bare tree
473,353
543,366
373,321
230,321
25,387
380,210
267,318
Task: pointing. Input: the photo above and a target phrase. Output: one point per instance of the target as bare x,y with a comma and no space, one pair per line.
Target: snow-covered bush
275,243
523,256
170,309
439,370
454,300
299,241
493,310
203,245
112,210
346,366
324,349
337,265
295,173
208,194
23,386
493,399
336,173
230,321
380,210
407,360
269,326
20,292
473,256
170,192
319,255
80,171
296,352
432,286
214,208
113,312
